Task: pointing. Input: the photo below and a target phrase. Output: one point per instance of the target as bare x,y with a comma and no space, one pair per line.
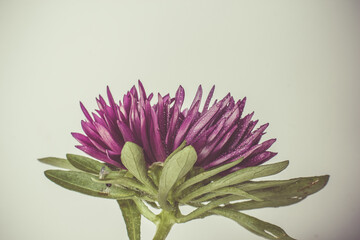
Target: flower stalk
166,220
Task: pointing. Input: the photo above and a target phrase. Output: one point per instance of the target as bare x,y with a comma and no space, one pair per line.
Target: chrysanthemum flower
220,133
148,141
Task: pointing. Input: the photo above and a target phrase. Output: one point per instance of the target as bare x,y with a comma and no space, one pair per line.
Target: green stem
165,221
144,210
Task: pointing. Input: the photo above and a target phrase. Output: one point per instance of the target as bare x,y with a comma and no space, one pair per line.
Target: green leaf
205,175
82,182
200,211
237,177
58,162
126,182
254,225
174,169
281,193
86,164
248,205
132,218
233,191
154,172
179,148
132,157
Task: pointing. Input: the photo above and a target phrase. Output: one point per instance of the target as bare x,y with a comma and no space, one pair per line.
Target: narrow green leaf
174,169
132,218
199,212
255,185
237,177
86,164
58,162
115,174
126,182
281,193
205,175
82,182
254,225
228,191
248,205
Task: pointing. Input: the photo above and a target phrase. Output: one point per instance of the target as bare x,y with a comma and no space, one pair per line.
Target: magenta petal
185,125
241,130
86,113
197,97
93,152
202,122
156,143
89,130
107,138
144,136
241,106
82,139
126,132
111,99
258,159
254,136
255,161
179,97
208,99
114,159
142,91
224,140
173,121
161,117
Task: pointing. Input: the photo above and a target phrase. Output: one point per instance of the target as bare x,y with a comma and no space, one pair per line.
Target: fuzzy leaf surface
237,177
86,164
280,193
174,169
206,175
132,156
82,182
132,218
254,225
228,191
58,162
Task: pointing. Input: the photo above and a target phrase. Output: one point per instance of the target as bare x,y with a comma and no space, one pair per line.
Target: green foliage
132,218
206,175
86,164
83,183
176,181
175,168
132,157
254,225
237,177
58,162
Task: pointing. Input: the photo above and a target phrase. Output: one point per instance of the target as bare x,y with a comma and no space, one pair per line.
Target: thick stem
165,222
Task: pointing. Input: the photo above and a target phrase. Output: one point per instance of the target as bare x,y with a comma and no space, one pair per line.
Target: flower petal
107,137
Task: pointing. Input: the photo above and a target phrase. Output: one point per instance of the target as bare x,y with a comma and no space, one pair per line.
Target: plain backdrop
296,61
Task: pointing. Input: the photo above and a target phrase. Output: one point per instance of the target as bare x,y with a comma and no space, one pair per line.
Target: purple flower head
219,133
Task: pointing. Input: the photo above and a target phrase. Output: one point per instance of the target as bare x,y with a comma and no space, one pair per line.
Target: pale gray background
296,61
